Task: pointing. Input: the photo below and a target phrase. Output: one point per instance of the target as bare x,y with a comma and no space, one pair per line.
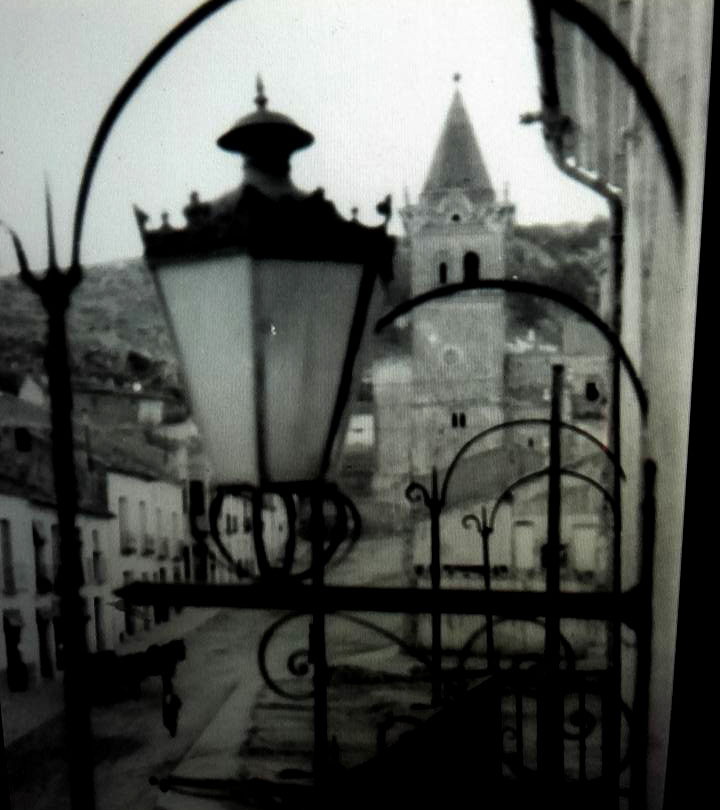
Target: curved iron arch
544,473
118,104
519,423
541,291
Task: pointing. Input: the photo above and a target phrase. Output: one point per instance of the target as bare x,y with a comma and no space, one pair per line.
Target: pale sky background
371,79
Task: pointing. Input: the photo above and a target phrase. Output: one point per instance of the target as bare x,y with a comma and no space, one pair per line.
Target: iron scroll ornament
299,661
346,528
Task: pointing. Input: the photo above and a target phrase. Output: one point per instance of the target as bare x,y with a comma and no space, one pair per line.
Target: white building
132,524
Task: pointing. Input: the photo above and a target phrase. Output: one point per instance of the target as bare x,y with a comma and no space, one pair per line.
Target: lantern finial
260,99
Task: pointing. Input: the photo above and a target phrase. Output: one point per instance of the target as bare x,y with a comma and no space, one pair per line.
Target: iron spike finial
52,259
25,273
260,98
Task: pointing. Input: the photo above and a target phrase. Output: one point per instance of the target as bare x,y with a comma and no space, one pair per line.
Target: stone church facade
451,386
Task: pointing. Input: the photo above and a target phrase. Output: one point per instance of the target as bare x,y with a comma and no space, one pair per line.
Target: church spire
457,163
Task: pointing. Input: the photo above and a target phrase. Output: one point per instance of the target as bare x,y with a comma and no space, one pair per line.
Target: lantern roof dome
266,216
265,133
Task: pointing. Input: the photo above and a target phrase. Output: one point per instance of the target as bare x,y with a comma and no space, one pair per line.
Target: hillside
118,333
116,328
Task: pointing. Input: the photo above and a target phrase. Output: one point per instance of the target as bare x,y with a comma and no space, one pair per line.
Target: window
458,420
471,267
443,272
42,581
197,498
79,541
55,540
7,557
585,546
451,357
123,515
23,440
142,509
523,545
247,516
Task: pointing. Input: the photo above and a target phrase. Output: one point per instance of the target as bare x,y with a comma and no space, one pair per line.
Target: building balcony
148,548
99,568
128,543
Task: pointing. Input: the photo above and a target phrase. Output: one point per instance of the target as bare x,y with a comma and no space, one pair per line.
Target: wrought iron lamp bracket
318,493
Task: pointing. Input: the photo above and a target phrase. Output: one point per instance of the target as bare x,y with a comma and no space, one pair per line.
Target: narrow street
131,744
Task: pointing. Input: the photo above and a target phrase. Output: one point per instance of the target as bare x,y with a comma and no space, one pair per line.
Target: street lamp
267,291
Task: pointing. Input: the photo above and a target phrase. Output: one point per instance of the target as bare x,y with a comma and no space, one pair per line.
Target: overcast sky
371,79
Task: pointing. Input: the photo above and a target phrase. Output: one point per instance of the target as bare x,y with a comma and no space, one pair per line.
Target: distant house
27,387
131,525
516,545
116,406
32,645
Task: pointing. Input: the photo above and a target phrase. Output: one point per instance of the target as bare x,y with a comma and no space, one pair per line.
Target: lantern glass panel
262,344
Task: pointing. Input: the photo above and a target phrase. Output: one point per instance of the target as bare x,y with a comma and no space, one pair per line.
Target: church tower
457,231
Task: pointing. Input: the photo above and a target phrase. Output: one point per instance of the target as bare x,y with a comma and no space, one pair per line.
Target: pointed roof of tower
457,163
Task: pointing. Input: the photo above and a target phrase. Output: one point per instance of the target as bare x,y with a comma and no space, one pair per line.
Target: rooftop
458,163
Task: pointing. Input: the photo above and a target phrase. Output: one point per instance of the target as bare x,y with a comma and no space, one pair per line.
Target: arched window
471,267
442,270
458,420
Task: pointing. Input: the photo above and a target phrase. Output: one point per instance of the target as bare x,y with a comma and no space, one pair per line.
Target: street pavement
219,684
129,741
23,712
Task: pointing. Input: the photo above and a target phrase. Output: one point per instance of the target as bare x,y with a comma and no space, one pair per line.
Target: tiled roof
484,475
123,450
16,412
